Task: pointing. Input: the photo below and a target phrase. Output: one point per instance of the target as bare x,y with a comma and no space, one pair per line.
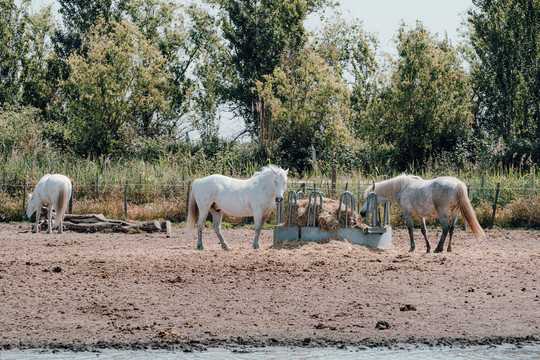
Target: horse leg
49,219
38,214
216,216
424,232
408,219
258,220
451,231
203,214
445,227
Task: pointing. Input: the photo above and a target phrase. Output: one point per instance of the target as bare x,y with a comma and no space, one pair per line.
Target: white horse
428,199
255,197
51,190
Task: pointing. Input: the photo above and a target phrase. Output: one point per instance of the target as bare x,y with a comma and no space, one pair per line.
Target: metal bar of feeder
348,197
313,195
292,195
372,210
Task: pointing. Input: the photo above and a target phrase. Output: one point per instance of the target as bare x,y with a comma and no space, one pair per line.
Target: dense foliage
139,80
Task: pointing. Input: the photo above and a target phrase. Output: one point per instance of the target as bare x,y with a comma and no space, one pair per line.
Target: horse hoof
411,250
226,247
200,247
437,251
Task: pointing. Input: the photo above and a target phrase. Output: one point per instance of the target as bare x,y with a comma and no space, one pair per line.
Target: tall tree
505,36
40,66
258,33
350,50
308,104
425,109
78,17
120,76
12,50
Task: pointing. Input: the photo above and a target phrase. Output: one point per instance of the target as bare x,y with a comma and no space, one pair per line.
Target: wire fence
169,199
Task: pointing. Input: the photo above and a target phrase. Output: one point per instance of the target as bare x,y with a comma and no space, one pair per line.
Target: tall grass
158,190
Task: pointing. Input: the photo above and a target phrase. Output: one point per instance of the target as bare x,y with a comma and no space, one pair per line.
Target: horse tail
467,211
193,210
61,204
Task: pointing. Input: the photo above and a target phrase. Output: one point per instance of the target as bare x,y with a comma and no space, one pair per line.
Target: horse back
53,189
426,198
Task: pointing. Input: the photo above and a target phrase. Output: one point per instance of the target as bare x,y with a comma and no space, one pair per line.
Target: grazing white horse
255,197
428,199
51,190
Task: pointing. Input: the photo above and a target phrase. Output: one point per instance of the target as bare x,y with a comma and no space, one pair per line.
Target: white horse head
277,177
386,189
31,206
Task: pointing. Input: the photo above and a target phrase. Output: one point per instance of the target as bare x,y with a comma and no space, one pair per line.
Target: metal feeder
374,235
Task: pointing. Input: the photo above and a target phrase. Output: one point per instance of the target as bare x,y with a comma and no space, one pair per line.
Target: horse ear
287,171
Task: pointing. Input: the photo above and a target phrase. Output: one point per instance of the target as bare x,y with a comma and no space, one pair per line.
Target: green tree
351,51
426,108
12,50
122,75
308,105
79,16
40,66
505,36
258,34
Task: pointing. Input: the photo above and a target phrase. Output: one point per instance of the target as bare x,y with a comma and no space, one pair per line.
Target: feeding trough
323,223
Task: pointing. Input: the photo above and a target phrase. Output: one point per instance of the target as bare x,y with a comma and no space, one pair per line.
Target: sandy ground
103,290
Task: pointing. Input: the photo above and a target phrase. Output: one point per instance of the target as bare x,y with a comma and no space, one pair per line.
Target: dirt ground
104,290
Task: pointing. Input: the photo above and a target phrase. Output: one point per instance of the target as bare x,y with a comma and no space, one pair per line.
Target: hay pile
334,242
327,219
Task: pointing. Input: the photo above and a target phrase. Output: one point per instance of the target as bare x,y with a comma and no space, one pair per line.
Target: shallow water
275,353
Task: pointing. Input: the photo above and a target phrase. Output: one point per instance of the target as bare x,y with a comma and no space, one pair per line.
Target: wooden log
85,218
166,226
148,226
87,226
97,222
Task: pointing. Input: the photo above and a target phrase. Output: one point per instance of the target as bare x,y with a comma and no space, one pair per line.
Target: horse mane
392,186
267,169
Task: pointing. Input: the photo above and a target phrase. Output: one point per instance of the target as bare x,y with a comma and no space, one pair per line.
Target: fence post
482,187
24,198
495,205
187,198
532,183
140,187
125,199
334,180
97,185
70,211
359,197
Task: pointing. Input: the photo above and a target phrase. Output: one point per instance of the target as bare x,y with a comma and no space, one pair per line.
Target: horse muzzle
279,200
26,218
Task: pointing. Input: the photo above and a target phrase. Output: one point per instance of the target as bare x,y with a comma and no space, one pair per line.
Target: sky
382,18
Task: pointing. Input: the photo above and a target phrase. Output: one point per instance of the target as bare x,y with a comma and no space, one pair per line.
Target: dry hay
334,241
327,219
